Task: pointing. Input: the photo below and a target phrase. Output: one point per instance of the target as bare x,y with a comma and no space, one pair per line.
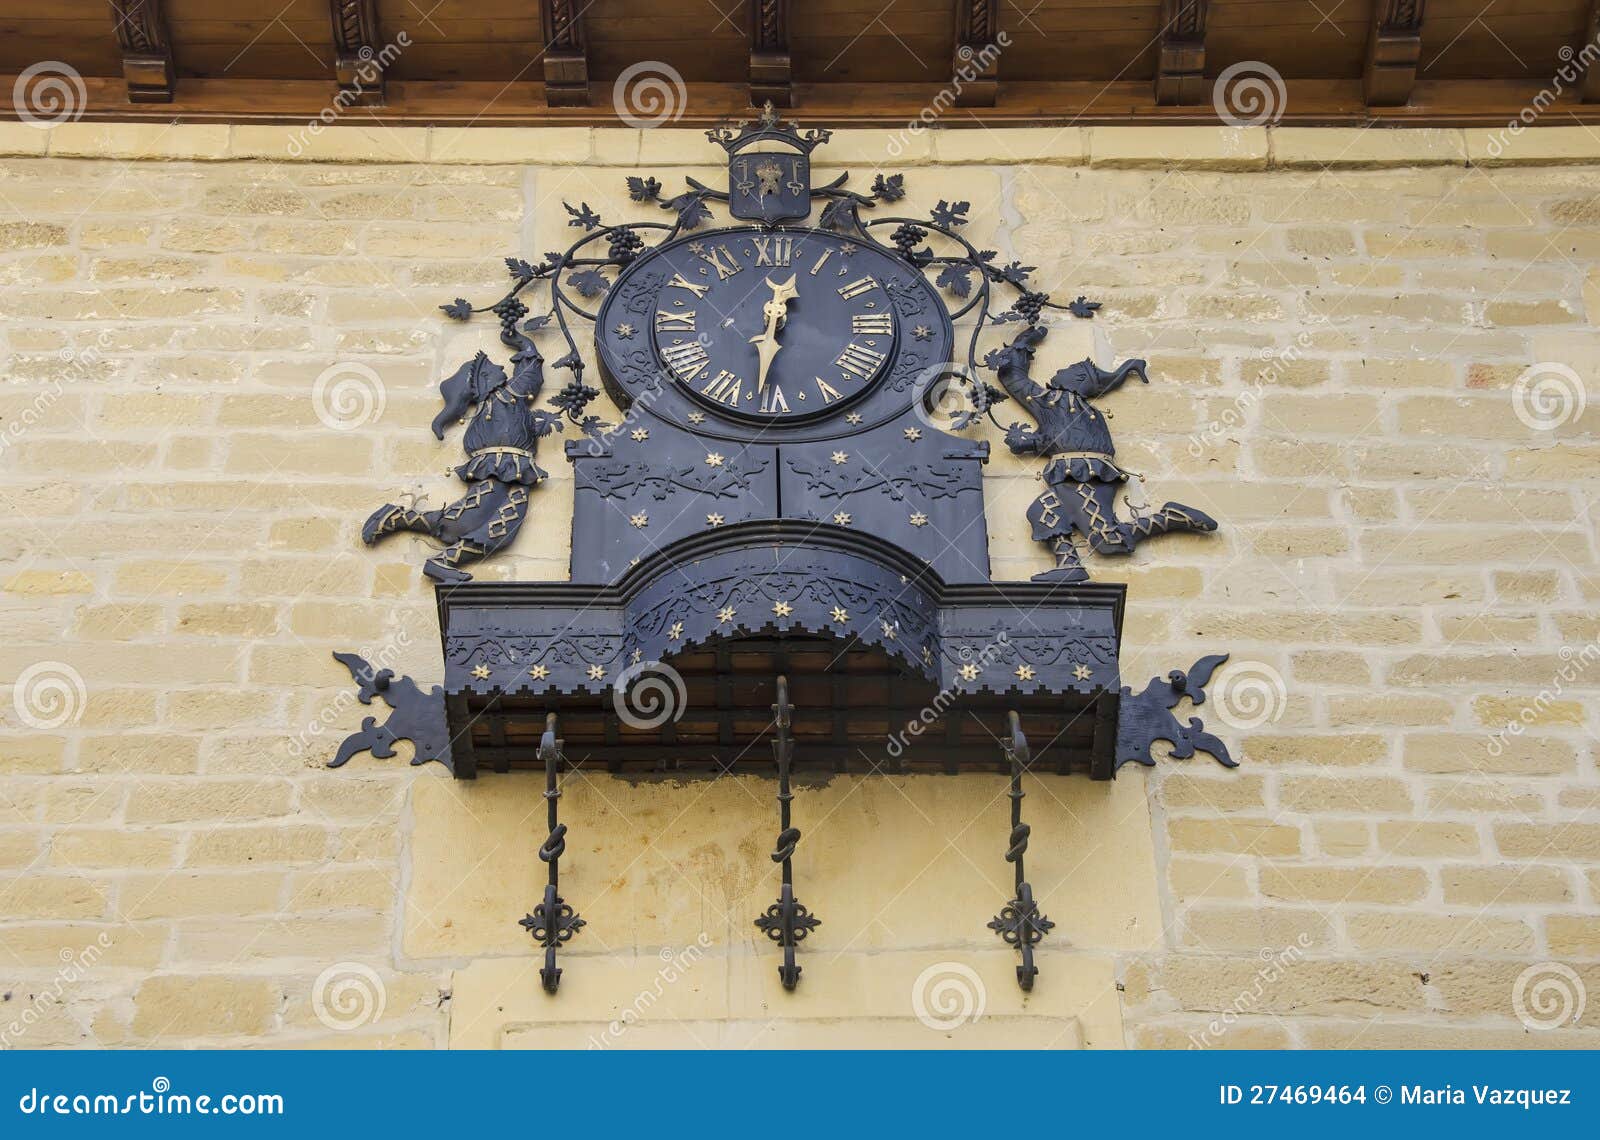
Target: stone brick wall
218,360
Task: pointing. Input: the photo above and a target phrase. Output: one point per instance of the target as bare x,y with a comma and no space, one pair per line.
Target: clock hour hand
774,313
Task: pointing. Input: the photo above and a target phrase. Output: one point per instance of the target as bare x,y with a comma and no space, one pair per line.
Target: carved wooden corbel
1181,58
1392,52
771,78
566,58
357,65
976,66
147,65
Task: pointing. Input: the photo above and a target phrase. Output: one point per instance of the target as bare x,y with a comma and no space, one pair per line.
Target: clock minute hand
775,312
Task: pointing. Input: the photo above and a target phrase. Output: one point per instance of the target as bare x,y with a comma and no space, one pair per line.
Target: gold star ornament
713,459
639,435
725,614
782,609
842,519
1025,672
913,434
539,672
840,457
675,632
625,332
919,519
714,520
481,672
1081,672
839,615
640,520
597,672
969,672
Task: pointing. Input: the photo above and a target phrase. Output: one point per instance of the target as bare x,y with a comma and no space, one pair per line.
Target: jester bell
769,168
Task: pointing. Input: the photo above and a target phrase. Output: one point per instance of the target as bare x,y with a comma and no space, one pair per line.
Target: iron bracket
1019,922
787,921
553,921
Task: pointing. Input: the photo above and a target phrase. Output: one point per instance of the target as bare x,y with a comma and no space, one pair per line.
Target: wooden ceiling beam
566,56
1393,49
147,66
358,63
771,76
1585,54
1181,58
976,67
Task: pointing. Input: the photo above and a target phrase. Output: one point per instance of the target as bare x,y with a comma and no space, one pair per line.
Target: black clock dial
774,325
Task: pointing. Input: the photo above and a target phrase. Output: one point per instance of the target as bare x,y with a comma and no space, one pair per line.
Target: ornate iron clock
767,326
779,529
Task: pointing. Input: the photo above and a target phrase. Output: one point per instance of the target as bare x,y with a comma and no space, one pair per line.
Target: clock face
773,325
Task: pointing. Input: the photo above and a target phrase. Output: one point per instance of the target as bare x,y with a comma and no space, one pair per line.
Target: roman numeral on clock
675,322
683,282
869,323
857,287
828,391
687,360
862,361
724,386
772,402
714,257
775,249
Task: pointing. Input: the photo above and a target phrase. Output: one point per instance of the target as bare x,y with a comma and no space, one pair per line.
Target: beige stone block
1367,795
209,800
1233,837
1291,983
111,946
1423,839
33,896
192,141
522,146
112,848
178,1006
342,142
1332,148
1255,928
44,582
262,846
695,996
697,874
1498,146
1194,879
185,894
1576,842
1189,148
1342,838
1506,885
1496,752
23,140
1013,146
1343,749
1377,884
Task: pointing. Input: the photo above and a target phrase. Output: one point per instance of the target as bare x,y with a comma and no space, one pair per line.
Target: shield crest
769,187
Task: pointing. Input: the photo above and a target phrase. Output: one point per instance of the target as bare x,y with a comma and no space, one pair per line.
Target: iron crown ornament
781,522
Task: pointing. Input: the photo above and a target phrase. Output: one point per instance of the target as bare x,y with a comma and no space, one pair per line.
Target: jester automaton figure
500,442
1083,477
